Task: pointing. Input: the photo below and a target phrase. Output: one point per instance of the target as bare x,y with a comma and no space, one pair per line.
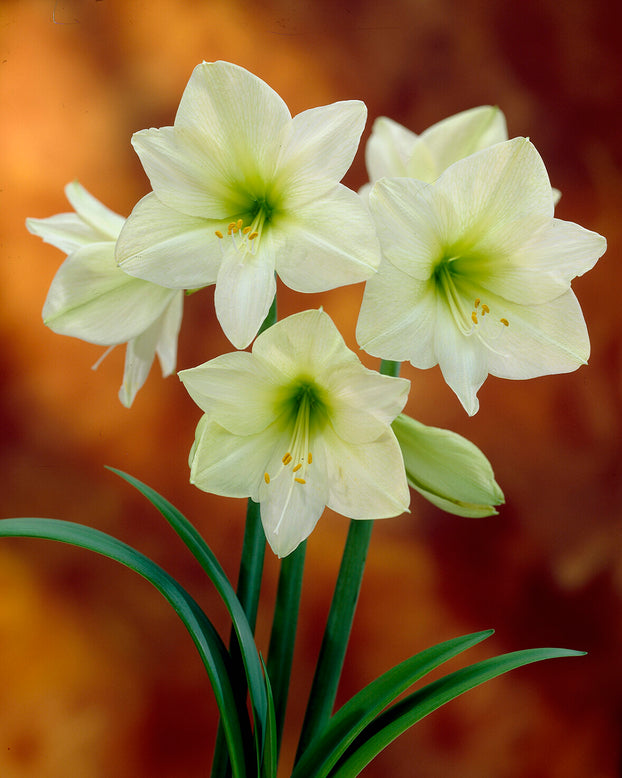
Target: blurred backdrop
97,676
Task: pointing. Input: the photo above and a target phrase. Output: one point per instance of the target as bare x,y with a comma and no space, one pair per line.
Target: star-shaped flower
92,299
299,424
476,273
241,190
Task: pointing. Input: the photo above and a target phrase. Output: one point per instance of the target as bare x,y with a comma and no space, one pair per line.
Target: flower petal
227,464
235,389
457,137
167,247
236,112
322,144
139,356
388,149
305,344
366,481
462,359
105,222
92,299
245,289
363,402
398,317
328,243
170,324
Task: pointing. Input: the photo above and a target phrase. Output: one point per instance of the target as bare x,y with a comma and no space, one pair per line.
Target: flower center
246,233
470,320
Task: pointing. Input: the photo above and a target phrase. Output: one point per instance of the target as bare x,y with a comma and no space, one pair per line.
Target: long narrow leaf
326,748
211,648
271,757
206,558
399,717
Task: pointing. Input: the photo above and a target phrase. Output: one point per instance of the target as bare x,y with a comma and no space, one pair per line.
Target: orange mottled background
97,676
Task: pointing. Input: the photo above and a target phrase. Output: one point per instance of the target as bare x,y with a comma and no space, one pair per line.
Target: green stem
248,590
340,618
337,632
283,636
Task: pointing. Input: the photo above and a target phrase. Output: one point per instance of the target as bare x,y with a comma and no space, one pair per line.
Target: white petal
104,221
168,248
398,317
489,189
245,288
363,402
462,359
238,114
414,223
388,149
367,480
170,324
236,390
460,135
187,176
543,266
290,510
139,356
92,299
540,339
322,143
304,344
93,222
227,464
328,243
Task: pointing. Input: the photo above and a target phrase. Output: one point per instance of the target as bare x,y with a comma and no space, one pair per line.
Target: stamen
300,480
246,230
310,458
485,309
287,459
297,468
474,317
505,322
476,303
253,235
218,234
266,478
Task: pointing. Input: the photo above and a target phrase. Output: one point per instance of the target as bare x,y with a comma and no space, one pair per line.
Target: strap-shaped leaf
210,646
206,558
403,714
271,755
351,719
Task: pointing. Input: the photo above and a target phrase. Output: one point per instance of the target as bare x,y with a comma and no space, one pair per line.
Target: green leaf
271,756
206,558
325,749
403,714
211,648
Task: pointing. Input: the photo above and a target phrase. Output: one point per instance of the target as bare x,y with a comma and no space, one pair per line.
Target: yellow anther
239,224
287,459
246,230
218,234
297,468
505,322
253,235
485,309
300,480
266,478
477,301
310,458
474,317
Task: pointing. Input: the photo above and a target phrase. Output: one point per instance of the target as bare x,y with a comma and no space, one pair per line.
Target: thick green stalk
248,590
340,618
283,636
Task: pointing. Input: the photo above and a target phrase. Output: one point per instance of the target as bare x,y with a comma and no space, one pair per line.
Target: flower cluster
465,266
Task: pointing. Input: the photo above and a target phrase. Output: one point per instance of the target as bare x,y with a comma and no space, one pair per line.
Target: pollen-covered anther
474,317
266,478
287,459
505,322
300,480
297,468
218,234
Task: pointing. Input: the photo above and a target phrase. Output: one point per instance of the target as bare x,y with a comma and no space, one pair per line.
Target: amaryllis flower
242,190
92,299
476,273
298,424
394,151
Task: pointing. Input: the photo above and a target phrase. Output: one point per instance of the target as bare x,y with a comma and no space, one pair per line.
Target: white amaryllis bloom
92,299
299,424
393,151
242,190
476,273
